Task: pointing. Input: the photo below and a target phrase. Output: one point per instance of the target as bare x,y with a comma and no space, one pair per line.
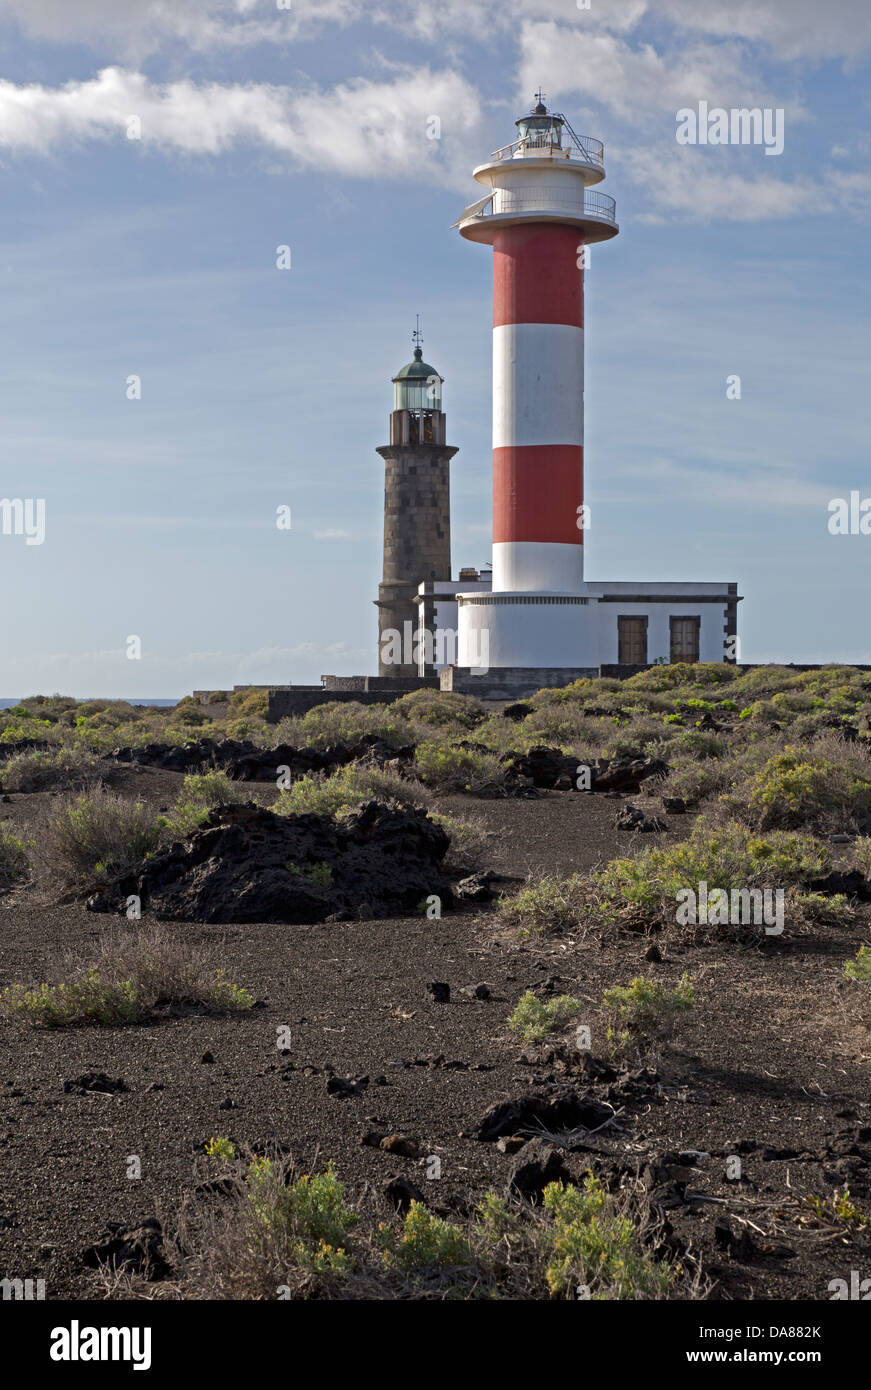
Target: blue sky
308,126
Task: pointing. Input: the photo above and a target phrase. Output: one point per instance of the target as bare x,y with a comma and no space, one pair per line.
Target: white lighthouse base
524,641
528,630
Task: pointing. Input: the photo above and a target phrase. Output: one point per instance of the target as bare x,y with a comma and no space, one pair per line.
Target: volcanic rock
401,1192
545,767
852,882
401,1144
537,1164
626,774
633,818
246,864
244,761
558,1109
345,1087
517,711
95,1081
134,1249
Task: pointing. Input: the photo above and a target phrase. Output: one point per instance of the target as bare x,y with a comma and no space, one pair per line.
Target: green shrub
38,769
533,1020
274,1230
87,999
319,873
50,707
697,772
246,704
99,836
337,722
698,674
201,791
860,968
130,981
825,909
307,1216
644,1010
192,715
594,1245
547,906
728,856
692,780
440,709
862,853
425,1243
223,1149
765,680
449,767
345,789
15,730
797,788
14,863
699,744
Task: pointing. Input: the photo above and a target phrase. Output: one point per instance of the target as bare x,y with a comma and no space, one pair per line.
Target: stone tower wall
417,535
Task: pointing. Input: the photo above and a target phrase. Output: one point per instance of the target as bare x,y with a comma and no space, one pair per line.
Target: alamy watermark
22,1290
23,516
421,647
850,518
758,907
714,125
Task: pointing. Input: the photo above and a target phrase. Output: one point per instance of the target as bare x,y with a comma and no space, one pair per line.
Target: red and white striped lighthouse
538,407
538,216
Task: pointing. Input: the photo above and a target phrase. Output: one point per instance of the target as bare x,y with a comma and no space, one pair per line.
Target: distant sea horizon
7,702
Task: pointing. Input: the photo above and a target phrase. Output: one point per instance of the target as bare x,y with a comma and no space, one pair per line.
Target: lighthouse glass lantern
541,129
417,404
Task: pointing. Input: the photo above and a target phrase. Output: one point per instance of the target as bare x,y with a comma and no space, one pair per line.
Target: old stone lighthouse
417,510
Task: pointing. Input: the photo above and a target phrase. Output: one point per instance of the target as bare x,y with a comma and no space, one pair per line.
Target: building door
632,641
685,639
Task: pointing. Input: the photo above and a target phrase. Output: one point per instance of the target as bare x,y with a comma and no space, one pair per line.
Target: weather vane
417,336
539,96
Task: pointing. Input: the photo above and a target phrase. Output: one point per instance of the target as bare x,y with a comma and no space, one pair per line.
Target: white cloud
360,128
632,81
791,28
683,186
136,28
852,190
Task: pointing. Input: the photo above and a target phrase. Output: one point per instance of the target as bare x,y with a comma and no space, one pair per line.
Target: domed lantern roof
417,368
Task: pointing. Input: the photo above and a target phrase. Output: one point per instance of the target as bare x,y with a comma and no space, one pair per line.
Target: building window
685,638
632,641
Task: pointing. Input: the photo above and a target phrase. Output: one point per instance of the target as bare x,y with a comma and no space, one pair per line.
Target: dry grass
132,977
92,839
49,769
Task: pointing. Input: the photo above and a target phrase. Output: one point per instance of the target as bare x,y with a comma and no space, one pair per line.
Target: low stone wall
621,673
399,685
290,702
511,682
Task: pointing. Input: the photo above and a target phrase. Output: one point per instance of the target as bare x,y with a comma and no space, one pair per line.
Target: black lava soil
773,1064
